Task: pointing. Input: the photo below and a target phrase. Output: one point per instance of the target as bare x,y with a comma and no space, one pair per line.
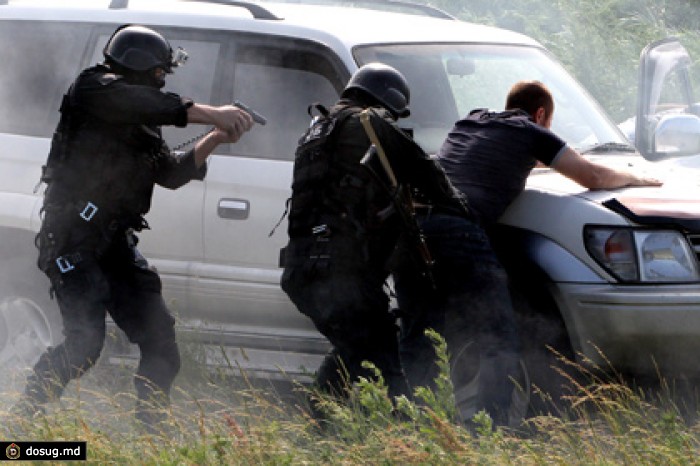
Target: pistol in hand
257,117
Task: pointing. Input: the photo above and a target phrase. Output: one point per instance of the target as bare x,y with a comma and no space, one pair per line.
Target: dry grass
606,422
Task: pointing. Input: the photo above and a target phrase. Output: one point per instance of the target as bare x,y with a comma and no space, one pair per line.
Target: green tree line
598,41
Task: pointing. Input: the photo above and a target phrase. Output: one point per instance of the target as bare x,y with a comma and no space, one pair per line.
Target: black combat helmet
139,48
384,83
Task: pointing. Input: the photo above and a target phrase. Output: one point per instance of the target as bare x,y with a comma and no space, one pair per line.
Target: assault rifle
400,194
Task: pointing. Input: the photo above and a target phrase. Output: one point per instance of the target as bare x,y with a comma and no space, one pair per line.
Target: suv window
43,58
448,80
279,80
281,83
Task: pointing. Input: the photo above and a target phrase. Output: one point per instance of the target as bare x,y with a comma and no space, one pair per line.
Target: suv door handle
234,209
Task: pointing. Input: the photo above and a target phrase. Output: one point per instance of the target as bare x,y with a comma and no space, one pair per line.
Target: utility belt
75,226
99,217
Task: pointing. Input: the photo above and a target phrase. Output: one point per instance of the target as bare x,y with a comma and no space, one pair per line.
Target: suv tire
29,320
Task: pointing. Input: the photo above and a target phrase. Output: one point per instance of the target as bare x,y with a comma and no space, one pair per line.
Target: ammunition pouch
325,253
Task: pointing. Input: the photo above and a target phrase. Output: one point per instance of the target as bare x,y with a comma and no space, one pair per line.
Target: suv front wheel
544,377
466,367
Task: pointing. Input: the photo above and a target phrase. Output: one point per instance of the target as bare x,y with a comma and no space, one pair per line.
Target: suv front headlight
637,255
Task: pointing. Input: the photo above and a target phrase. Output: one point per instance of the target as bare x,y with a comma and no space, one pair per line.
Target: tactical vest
103,165
335,204
312,167
99,181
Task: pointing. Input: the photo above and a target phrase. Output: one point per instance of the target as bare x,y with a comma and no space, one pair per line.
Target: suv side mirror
677,135
665,108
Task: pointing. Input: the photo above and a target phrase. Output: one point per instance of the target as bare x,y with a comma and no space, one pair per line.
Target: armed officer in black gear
106,156
344,222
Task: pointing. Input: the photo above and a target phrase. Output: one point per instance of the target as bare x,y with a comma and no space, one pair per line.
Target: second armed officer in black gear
344,225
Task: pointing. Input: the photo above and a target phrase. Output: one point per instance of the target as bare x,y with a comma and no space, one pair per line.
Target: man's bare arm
596,176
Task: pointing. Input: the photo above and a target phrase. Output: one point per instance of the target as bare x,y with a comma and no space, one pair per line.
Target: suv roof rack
258,11
399,5
427,10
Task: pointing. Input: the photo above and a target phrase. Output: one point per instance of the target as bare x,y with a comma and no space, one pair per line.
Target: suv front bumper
647,330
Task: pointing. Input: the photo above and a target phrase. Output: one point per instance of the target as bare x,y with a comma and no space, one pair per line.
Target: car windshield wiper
609,147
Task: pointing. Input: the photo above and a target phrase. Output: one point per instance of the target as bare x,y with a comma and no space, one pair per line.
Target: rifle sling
367,125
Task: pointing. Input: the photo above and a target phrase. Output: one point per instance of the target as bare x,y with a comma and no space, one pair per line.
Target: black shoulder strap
319,107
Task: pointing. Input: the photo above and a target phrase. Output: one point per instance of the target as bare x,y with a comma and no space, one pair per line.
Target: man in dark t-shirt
488,156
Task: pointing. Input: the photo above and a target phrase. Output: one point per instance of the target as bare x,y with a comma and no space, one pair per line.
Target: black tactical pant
121,284
468,303
352,311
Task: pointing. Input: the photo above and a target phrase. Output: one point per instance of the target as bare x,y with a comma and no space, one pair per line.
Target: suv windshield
449,80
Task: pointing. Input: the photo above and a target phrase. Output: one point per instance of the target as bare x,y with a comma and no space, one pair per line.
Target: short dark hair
529,96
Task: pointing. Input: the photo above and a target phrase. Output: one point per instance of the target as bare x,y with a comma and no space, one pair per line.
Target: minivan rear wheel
29,320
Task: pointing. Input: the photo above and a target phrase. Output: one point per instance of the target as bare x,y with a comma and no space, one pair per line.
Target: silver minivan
601,275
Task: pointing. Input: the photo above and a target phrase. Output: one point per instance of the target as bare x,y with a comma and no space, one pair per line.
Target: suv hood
657,211
677,201
557,208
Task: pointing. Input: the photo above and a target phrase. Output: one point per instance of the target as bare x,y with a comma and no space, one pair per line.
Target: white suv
589,277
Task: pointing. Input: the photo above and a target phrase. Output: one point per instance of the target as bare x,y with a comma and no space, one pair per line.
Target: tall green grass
605,422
